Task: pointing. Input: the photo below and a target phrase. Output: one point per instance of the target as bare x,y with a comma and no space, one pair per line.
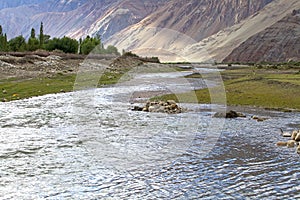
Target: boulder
169,107
151,109
294,135
230,114
286,134
137,108
170,102
297,138
259,119
281,143
291,143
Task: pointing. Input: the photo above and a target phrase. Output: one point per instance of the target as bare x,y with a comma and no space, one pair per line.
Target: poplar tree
41,35
32,34
33,43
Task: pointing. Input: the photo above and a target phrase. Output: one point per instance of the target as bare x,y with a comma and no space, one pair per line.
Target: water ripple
45,153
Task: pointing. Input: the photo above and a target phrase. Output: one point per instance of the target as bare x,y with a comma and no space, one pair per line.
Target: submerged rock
281,143
259,119
291,144
295,138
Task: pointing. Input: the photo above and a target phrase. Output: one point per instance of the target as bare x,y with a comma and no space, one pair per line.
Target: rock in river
169,107
230,114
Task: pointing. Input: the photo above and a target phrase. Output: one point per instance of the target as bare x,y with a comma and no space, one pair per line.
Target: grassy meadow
269,87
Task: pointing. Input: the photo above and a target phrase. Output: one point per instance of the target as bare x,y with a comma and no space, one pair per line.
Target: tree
112,50
33,44
5,43
17,44
80,43
46,39
41,35
88,44
32,34
3,40
66,44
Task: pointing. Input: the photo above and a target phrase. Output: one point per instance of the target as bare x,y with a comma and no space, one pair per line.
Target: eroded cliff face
280,42
200,19
121,16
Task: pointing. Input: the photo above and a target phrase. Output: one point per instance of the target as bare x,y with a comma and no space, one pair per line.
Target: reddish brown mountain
280,42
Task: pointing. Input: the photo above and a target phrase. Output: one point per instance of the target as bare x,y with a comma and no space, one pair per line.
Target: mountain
16,3
190,30
277,43
120,16
180,24
60,17
75,18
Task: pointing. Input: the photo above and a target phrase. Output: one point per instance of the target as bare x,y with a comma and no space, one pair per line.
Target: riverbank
267,87
27,74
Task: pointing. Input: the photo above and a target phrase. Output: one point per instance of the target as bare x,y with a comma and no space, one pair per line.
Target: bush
17,44
65,44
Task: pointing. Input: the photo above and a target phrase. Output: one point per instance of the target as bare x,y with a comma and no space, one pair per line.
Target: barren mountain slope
182,23
200,19
120,16
60,17
68,23
280,42
220,45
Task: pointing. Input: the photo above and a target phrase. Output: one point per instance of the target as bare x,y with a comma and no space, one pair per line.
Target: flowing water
90,145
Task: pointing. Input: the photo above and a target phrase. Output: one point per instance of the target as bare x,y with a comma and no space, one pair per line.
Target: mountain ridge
193,30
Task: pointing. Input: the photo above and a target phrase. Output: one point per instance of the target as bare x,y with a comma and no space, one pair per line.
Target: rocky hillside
280,42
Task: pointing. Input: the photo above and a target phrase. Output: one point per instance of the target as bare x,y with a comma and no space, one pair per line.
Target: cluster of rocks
234,114
169,106
294,140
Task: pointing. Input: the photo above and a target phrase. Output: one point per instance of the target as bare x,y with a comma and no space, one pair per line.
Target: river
90,145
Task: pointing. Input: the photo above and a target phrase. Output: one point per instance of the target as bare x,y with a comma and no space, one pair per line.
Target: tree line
44,42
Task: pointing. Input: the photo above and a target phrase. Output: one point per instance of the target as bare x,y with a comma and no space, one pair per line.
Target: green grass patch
20,89
271,89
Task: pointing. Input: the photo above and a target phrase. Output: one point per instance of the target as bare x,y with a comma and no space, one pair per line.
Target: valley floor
271,87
